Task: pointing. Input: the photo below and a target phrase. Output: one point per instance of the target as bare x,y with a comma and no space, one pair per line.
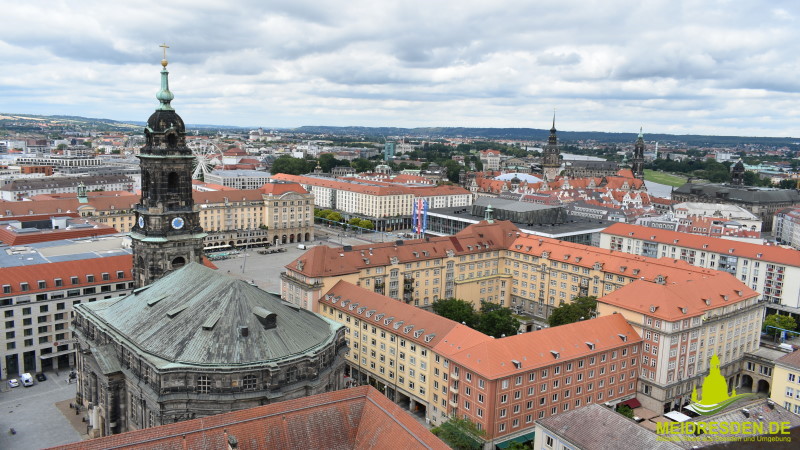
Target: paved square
32,412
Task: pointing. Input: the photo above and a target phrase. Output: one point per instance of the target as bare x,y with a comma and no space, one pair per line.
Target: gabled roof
356,418
681,299
412,323
200,323
770,253
493,358
49,272
323,261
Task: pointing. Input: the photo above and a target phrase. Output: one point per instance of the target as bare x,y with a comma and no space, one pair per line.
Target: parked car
27,379
13,383
40,377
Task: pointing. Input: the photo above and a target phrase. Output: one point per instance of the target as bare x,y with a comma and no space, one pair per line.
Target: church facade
189,341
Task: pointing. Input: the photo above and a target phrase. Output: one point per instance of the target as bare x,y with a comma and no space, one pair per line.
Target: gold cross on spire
164,61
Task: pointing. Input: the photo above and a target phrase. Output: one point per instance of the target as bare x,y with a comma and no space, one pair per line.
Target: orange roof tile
427,329
682,299
323,261
65,270
493,358
770,253
356,418
282,188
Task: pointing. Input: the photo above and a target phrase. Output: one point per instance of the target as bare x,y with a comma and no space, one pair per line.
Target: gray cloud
678,65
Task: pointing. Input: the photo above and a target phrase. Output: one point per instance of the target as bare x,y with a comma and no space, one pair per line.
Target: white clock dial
177,223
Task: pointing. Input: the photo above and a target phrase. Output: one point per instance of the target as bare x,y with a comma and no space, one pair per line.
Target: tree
328,161
334,216
779,321
460,434
367,224
579,308
292,166
454,309
363,165
626,411
496,320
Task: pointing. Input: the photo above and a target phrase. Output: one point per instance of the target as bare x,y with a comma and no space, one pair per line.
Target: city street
33,413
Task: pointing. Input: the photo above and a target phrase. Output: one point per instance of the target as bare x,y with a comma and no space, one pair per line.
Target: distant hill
540,135
39,123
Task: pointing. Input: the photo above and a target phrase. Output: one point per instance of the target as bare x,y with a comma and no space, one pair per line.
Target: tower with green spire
167,234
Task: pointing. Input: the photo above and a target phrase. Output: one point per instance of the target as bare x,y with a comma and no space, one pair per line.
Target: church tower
737,174
637,163
167,234
551,162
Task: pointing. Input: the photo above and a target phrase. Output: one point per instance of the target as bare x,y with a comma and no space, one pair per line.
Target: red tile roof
65,270
680,299
493,358
377,309
11,236
278,189
356,418
323,261
718,245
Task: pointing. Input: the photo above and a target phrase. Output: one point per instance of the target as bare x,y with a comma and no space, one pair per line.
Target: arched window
172,182
178,262
203,384
172,140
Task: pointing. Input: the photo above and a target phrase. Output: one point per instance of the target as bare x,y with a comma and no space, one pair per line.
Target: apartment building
786,382
771,270
492,262
238,178
684,322
388,206
37,302
278,212
505,385
393,345
787,227
25,189
438,369
466,265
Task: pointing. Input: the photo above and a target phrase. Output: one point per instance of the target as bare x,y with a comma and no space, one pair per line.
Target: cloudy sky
671,66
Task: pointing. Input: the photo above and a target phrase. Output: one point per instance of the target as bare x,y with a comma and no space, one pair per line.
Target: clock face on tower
141,222
177,223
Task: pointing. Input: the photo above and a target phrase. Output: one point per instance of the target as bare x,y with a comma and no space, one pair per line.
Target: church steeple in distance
167,234
551,162
637,162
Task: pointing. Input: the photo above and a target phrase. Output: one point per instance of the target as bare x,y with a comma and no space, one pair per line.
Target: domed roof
197,316
162,120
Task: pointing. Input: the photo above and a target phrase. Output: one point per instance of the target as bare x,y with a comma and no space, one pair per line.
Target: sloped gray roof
194,315
595,427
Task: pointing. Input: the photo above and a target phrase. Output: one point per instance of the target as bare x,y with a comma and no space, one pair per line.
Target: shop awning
677,416
632,403
521,439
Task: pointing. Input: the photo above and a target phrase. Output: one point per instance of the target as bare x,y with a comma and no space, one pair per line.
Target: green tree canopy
496,320
454,309
334,216
780,321
460,434
291,165
581,307
363,165
364,223
626,411
328,161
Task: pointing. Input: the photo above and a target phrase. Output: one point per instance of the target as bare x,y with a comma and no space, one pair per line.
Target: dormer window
555,354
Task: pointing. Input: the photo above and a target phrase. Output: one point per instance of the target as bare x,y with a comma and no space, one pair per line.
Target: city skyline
671,67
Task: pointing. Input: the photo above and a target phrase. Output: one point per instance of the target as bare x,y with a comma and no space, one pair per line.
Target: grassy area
664,178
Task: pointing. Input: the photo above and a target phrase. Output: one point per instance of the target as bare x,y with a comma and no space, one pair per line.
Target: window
203,384
249,383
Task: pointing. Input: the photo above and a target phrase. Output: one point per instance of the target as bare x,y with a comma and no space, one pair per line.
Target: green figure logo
715,392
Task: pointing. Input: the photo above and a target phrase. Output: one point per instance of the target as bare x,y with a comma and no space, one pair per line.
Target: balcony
453,404
454,376
453,389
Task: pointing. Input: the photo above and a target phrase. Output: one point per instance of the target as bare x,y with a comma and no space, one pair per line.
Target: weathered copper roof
197,316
